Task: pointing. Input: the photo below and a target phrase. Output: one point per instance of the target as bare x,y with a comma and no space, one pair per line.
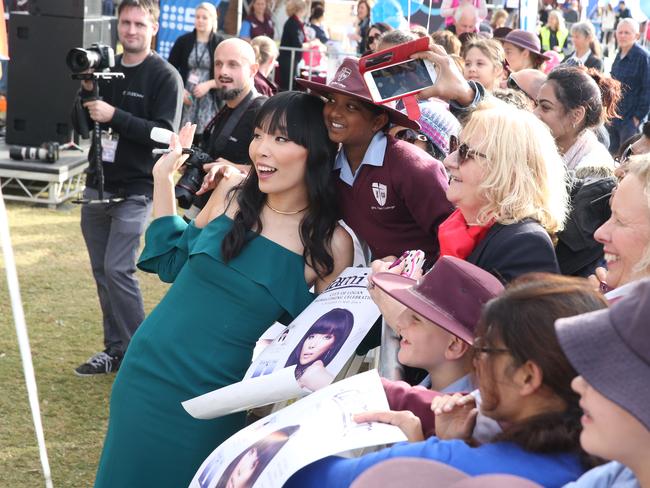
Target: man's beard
230,94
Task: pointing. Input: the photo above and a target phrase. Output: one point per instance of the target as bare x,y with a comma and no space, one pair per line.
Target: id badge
109,147
193,78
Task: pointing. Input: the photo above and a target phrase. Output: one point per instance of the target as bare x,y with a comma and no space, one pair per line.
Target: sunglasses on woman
464,151
624,156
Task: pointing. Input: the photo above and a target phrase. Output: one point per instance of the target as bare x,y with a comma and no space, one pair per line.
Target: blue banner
176,18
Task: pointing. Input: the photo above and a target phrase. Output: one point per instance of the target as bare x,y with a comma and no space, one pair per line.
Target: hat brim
596,351
394,115
523,46
401,289
413,472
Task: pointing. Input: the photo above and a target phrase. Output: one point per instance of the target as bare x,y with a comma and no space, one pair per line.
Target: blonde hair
265,49
639,166
491,49
212,13
560,20
498,15
524,175
295,6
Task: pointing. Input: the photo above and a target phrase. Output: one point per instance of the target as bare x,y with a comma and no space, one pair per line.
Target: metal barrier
389,367
329,55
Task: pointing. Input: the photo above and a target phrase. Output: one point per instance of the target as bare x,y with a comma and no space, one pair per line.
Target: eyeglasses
411,136
372,39
625,155
464,151
481,348
512,84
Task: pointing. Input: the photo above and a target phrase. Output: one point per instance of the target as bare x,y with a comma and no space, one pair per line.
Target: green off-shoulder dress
199,338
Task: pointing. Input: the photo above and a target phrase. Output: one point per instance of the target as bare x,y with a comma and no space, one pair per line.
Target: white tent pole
240,13
23,340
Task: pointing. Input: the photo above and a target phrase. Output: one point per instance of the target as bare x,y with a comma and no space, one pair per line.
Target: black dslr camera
192,178
97,57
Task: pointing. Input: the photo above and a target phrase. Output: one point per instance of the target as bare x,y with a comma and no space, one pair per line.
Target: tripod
96,161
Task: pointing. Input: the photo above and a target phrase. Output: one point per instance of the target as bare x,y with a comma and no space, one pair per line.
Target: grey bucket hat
610,348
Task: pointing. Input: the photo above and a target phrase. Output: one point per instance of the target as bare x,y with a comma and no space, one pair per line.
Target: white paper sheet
305,357
266,453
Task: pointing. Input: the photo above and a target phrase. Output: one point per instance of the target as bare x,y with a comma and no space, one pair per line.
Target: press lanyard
196,55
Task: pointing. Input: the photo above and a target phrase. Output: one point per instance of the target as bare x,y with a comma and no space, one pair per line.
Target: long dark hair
589,88
298,117
266,449
522,319
337,322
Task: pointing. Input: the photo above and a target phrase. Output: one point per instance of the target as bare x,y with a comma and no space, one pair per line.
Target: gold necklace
285,213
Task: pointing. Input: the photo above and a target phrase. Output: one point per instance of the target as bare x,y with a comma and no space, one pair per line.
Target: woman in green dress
248,259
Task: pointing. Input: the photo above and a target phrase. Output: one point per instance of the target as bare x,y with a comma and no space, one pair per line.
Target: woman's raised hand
217,171
170,162
450,83
599,280
455,416
406,420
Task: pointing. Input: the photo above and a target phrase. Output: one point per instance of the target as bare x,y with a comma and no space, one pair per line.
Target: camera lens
79,60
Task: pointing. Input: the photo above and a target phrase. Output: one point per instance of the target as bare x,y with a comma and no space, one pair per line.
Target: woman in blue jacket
524,380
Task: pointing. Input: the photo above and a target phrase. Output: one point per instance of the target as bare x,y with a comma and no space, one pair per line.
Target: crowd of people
526,186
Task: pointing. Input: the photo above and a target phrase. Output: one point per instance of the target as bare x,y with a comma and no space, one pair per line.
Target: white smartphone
401,79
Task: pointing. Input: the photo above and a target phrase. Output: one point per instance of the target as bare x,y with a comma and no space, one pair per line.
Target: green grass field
64,323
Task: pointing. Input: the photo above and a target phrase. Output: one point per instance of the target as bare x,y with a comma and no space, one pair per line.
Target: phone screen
396,80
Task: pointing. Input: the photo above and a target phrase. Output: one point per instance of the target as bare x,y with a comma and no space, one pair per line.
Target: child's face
349,121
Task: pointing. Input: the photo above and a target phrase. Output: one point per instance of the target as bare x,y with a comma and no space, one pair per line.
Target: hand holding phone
394,73
399,80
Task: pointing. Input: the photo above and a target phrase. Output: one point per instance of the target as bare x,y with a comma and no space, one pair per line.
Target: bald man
528,81
227,137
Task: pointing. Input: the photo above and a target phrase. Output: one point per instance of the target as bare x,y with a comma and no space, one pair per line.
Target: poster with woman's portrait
265,454
306,356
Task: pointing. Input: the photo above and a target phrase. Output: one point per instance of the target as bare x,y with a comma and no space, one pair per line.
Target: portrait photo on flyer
266,453
306,356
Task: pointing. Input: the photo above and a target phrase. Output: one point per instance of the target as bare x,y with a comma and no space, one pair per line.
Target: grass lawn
64,323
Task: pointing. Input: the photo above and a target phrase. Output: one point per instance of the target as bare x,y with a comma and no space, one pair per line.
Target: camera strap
228,128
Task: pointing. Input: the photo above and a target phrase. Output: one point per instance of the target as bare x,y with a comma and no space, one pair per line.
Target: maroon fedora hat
426,473
451,294
525,40
610,348
348,81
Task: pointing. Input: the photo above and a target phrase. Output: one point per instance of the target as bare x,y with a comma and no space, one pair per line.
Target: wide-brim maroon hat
525,40
451,295
348,81
425,473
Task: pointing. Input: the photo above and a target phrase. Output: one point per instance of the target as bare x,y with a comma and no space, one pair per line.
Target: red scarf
458,239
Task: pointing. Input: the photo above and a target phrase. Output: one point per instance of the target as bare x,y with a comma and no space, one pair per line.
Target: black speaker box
78,9
41,91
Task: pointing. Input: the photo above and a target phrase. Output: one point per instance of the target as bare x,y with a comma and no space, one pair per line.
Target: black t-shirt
236,151
150,95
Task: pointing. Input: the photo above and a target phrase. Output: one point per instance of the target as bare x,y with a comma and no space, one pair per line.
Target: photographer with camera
149,95
227,137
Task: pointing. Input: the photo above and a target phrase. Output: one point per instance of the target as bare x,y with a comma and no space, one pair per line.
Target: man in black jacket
150,95
228,135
